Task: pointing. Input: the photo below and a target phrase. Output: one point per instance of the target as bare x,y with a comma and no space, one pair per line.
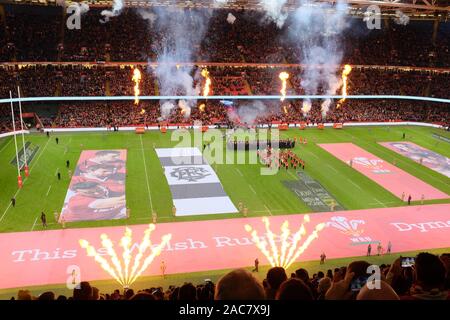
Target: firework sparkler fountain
130,268
290,249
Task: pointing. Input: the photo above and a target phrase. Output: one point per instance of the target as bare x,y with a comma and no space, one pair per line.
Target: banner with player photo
428,158
97,188
195,187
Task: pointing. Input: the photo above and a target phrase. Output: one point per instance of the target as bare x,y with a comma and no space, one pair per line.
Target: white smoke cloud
401,18
274,11
183,105
166,109
116,10
182,31
231,18
84,7
317,28
306,107
325,106
148,15
248,113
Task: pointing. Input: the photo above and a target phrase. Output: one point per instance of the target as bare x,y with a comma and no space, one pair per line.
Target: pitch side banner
195,186
49,257
97,188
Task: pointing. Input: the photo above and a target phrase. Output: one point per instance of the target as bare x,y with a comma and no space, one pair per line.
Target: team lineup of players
281,159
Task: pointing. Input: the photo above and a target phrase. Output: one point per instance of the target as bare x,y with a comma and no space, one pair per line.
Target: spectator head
187,292
330,274
83,292
239,285
302,274
429,271
445,258
320,275
324,285
174,295
95,293
275,277
24,295
128,294
47,296
61,298
385,292
294,289
158,294
265,284
359,268
142,296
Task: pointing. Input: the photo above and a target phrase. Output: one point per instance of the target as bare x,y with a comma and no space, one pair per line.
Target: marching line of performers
284,159
251,145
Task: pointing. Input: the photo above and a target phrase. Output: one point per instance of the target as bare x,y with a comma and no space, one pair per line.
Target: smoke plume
317,28
181,34
274,11
248,113
116,10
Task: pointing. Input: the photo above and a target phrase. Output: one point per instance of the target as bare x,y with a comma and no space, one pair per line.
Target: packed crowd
39,34
54,80
427,279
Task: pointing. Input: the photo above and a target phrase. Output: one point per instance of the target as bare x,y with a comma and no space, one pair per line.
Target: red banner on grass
97,188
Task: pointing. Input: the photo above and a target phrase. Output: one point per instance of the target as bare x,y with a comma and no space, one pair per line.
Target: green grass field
147,189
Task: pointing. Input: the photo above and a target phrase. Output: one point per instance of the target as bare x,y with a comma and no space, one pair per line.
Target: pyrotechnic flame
206,88
290,249
136,79
120,270
283,77
345,73
202,107
285,110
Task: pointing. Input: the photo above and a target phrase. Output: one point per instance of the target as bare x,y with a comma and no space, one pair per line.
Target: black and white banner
195,187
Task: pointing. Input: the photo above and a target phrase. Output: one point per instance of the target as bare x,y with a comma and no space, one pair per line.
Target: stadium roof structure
412,8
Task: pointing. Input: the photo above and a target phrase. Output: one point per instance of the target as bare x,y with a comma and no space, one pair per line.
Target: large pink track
385,174
44,257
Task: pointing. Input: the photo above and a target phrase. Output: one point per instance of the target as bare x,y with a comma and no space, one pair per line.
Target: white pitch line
260,211
18,190
146,175
268,209
48,190
355,185
311,153
68,143
332,168
380,202
292,175
34,224
240,173
251,188
4,147
37,159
